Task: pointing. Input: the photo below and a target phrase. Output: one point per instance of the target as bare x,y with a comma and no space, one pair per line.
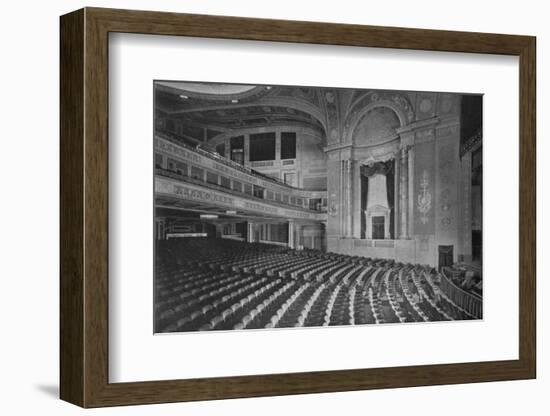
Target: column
249,232
410,207
246,155
334,208
404,187
396,195
161,235
465,253
291,234
342,204
278,145
347,197
298,233
356,197
227,148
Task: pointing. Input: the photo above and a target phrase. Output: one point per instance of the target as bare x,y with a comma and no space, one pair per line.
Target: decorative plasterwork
407,139
447,178
376,168
309,94
395,101
211,92
424,197
424,136
333,128
425,105
419,125
376,127
447,131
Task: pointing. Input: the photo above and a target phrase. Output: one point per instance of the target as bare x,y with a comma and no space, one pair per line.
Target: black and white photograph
282,206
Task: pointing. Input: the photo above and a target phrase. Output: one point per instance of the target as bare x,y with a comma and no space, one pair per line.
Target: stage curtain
383,168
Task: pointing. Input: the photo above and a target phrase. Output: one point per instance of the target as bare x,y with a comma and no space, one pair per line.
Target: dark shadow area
49,390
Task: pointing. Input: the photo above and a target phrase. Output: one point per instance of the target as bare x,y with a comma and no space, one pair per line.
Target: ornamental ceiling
334,113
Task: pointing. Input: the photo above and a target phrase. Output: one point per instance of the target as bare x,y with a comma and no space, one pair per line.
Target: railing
236,237
470,302
218,163
262,164
176,139
180,177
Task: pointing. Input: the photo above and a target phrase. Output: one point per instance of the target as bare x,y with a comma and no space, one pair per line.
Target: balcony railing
185,178
176,139
468,301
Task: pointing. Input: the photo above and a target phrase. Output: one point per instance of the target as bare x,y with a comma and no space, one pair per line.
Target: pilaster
404,190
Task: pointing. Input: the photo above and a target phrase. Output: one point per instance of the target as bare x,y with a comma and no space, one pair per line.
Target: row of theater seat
214,284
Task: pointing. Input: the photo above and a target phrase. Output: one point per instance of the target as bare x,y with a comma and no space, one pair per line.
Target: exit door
445,256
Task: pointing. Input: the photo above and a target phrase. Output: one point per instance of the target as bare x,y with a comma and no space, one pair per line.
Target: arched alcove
376,126
396,103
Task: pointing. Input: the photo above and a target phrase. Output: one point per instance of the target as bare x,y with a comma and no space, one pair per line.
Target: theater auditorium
292,206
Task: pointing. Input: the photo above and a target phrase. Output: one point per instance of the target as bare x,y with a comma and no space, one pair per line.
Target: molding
417,125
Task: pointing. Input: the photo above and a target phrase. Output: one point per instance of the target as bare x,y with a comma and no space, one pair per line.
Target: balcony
174,138
220,165
171,184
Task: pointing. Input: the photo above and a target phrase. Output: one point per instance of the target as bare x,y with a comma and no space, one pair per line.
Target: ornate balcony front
181,192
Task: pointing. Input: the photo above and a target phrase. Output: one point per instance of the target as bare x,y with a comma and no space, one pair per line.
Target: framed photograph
255,207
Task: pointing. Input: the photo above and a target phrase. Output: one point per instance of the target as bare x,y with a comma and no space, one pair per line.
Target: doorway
378,227
445,256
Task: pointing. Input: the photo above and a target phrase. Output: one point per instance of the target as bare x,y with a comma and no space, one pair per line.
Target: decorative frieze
395,101
174,189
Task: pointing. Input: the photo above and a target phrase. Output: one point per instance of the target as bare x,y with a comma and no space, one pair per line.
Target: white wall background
29,209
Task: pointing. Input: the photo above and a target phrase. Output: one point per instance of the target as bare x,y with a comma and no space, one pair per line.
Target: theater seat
236,285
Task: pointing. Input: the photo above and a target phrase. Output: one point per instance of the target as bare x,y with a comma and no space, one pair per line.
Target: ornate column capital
407,139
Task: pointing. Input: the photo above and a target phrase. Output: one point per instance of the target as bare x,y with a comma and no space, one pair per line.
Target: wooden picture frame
84,207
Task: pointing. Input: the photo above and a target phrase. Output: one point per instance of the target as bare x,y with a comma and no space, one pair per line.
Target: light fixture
234,101
185,97
209,217
231,212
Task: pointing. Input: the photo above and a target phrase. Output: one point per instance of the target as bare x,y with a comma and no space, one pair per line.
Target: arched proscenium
385,150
